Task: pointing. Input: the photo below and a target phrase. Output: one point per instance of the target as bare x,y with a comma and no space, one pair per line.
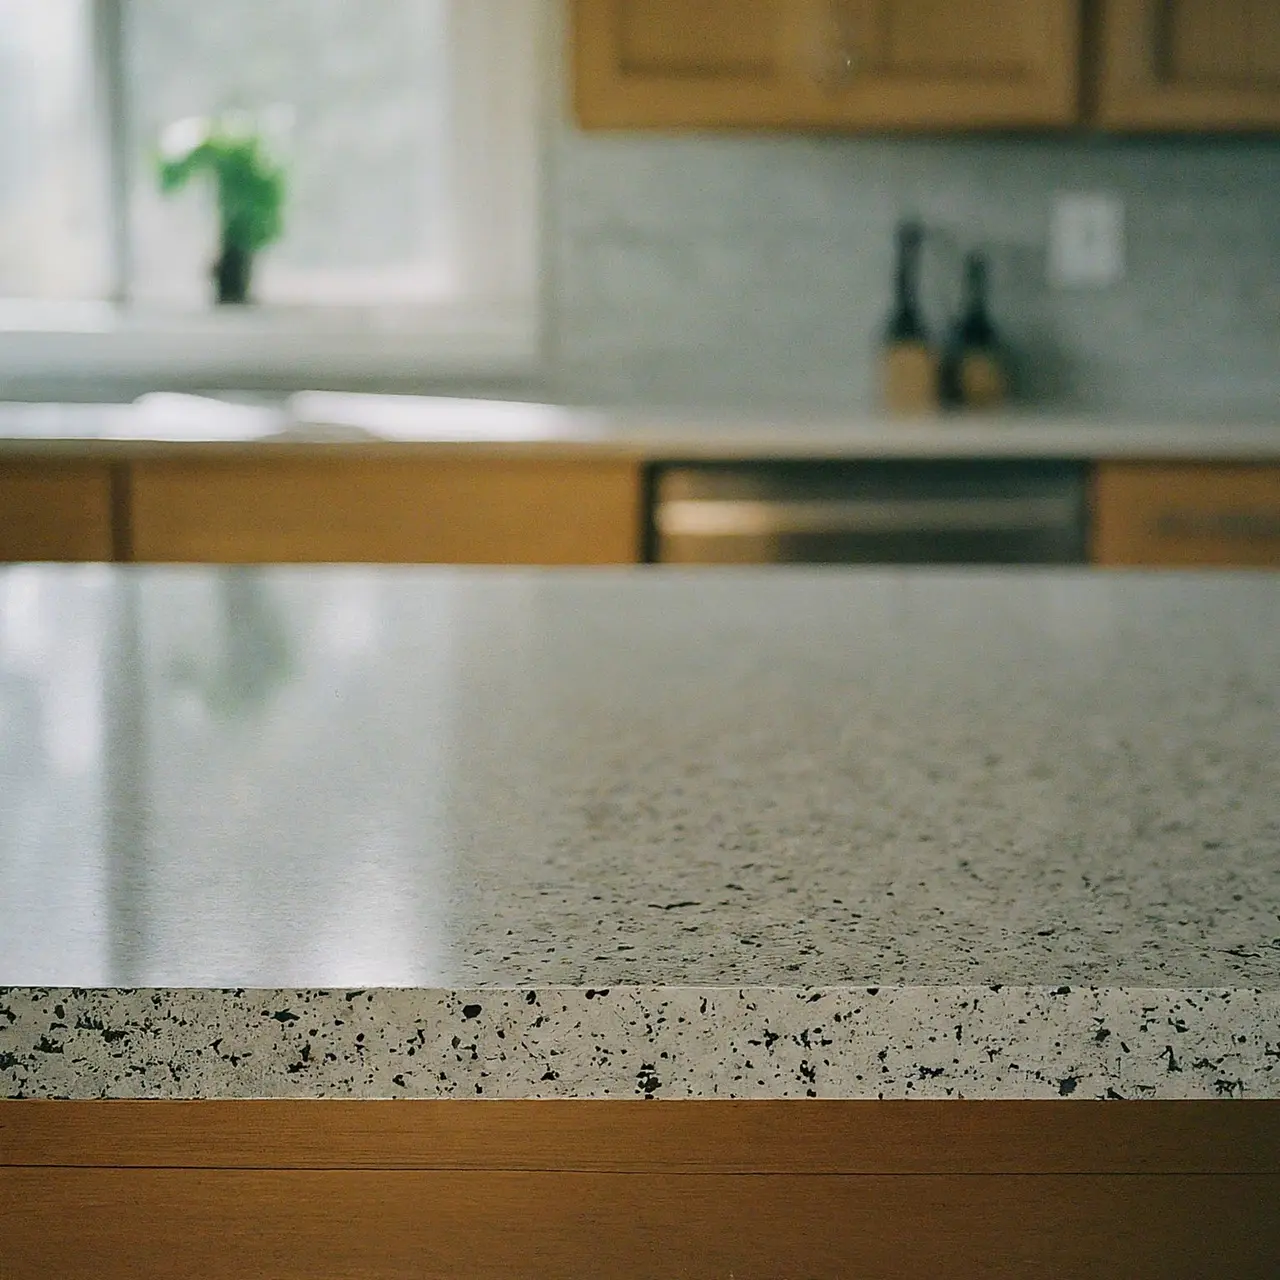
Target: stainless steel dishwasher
873,512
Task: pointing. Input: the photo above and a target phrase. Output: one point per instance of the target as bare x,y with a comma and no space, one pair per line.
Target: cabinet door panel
981,38
735,38
1214,45
1191,64
55,511
463,511
831,64
1187,515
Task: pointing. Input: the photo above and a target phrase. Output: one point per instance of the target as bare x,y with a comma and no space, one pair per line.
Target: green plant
250,187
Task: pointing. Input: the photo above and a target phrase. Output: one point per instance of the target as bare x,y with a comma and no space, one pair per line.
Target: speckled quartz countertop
416,425
342,832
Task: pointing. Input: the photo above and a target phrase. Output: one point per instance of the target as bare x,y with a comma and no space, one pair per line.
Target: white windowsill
96,342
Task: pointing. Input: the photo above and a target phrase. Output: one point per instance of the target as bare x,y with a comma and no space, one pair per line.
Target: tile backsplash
730,270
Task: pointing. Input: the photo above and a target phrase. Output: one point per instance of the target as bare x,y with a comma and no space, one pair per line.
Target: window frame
491,328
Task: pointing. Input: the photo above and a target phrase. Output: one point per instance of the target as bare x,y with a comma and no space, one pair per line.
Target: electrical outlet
1086,241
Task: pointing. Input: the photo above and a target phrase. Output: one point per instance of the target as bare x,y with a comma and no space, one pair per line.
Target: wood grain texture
785,1137
1190,65
916,65
245,510
1186,515
293,1225
55,511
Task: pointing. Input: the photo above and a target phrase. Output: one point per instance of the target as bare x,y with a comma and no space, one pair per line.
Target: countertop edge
759,1042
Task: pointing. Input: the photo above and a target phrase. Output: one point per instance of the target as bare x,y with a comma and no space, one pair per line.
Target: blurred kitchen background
681,268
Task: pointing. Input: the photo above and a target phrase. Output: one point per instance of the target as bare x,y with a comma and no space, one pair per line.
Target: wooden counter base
644,1189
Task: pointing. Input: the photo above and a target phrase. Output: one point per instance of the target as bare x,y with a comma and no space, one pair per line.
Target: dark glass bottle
906,323
910,365
972,372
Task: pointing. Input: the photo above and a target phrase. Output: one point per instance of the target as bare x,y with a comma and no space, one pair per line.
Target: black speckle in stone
8,1014
48,1046
398,1080
550,1075
1062,991
351,995
673,906
531,997
873,991
470,1011
284,1015
1172,1062
591,995
647,1081
59,1011
304,1060
996,986
1101,1034
8,1060
1067,1085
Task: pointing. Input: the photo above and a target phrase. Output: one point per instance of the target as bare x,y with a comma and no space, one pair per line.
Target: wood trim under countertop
155,1224
119,1190
812,1136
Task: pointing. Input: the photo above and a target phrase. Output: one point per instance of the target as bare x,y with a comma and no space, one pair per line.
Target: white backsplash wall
736,270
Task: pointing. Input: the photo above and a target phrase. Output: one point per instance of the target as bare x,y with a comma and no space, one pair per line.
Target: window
408,131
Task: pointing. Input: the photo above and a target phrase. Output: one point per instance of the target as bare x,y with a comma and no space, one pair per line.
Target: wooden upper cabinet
827,64
1190,64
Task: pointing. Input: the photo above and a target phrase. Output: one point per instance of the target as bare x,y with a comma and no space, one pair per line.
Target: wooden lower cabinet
1186,515
52,510
383,1190
389,510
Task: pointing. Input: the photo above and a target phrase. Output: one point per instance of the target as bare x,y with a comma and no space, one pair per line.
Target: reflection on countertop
341,775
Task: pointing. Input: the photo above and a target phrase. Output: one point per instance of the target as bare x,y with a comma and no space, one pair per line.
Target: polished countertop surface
374,832
380,424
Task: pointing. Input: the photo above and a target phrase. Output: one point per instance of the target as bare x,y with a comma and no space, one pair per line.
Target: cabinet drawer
1188,515
55,511
461,511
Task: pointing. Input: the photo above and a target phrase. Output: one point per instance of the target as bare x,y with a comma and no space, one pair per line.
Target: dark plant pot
232,275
